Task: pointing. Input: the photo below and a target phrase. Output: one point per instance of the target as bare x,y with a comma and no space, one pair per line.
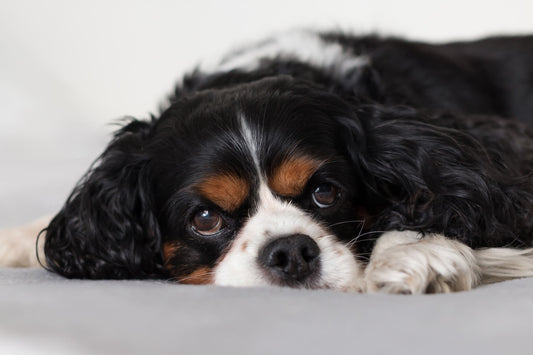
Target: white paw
17,245
403,263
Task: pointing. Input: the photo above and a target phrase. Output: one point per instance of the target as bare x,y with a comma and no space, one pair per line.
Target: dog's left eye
207,222
325,195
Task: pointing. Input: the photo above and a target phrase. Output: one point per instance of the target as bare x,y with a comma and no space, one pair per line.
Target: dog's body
282,165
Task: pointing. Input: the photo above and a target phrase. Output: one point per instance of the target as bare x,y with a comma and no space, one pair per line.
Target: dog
320,161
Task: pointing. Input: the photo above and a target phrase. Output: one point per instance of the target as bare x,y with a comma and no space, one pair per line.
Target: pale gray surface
149,317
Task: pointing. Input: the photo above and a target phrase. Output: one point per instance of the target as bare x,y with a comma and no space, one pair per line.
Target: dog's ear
107,228
429,174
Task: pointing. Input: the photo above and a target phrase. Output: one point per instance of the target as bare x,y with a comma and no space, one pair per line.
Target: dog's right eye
325,195
207,222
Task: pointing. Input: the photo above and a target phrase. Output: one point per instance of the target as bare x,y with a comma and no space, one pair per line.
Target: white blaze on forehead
275,218
252,141
304,46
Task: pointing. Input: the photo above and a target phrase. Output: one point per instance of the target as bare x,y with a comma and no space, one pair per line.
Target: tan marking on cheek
169,250
291,176
200,276
244,246
225,190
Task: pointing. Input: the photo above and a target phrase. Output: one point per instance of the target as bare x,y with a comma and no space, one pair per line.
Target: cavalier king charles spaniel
320,160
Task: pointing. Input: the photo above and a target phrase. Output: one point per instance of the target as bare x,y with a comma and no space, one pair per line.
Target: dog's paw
404,263
17,245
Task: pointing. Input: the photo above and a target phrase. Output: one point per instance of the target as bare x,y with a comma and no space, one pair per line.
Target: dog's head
253,186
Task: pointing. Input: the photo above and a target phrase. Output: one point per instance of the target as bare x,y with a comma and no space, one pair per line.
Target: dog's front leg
18,244
407,263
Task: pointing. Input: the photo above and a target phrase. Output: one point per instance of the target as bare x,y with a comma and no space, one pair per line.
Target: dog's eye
325,195
207,222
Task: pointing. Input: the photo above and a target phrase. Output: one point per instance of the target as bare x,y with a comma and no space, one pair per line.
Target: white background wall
110,58
68,67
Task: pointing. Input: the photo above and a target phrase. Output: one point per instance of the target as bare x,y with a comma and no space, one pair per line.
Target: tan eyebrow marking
228,191
290,177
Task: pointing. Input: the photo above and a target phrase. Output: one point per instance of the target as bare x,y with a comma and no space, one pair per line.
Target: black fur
107,227
421,139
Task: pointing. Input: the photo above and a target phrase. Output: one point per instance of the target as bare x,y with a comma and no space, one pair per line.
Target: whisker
363,258
371,232
350,243
346,222
357,239
353,242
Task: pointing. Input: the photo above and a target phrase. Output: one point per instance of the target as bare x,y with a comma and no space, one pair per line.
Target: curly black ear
107,228
435,174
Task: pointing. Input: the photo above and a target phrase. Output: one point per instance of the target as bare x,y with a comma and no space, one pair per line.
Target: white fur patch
499,264
252,141
240,267
304,46
402,262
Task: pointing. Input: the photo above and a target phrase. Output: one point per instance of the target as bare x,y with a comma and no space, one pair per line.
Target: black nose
290,260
